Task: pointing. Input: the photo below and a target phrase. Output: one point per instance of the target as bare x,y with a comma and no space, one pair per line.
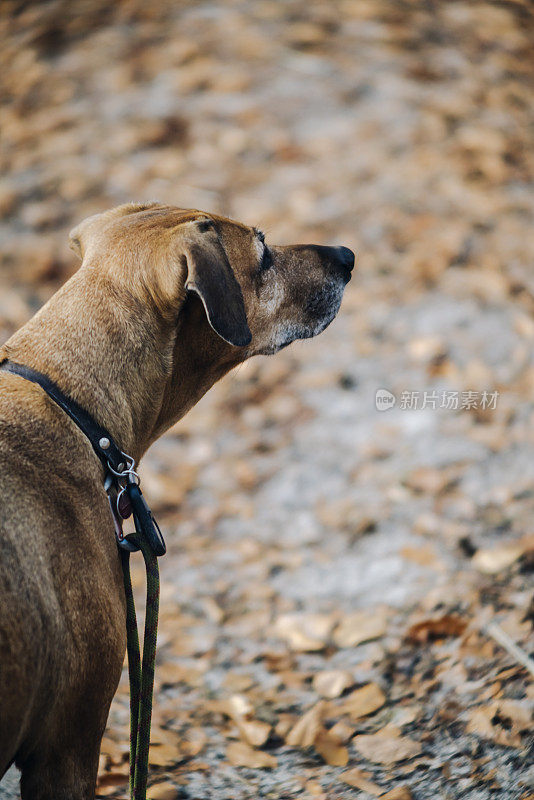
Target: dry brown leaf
315,789
441,628
163,791
360,626
334,753
189,645
502,721
159,736
304,733
359,780
386,747
237,706
194,742
239,754
342,731
116,752
107,783
284,725
479,723
399,793
364,701
492,560
163,755
240,709
517,711
332,682
404,715
304,632
292,679
253,731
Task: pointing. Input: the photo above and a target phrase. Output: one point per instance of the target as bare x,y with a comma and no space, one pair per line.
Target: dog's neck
134,371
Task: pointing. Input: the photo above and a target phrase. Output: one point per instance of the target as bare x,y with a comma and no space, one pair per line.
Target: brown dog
165,303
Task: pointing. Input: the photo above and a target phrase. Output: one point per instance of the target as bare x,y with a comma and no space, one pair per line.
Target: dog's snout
345,257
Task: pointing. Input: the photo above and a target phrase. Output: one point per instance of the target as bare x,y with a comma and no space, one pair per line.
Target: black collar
121,478
110,455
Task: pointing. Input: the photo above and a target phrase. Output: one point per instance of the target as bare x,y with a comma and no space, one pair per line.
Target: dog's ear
211,277
76,240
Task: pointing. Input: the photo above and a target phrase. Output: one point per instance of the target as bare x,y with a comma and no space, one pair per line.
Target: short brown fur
128,337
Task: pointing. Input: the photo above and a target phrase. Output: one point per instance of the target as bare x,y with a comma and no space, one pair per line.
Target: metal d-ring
129,472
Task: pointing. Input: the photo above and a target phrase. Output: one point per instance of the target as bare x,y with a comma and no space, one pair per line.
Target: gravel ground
403,130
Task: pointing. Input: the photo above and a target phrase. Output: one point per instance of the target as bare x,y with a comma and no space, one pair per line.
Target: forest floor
338,577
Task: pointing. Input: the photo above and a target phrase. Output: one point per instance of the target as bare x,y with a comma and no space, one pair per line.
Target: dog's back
25,581
41,518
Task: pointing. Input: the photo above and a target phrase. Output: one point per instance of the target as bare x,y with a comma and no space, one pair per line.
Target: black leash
125,498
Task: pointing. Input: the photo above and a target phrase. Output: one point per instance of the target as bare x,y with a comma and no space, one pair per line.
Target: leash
141,676
125,499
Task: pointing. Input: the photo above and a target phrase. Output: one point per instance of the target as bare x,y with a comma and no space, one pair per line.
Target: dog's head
256,296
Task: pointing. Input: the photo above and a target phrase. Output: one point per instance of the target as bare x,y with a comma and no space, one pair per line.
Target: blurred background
336,573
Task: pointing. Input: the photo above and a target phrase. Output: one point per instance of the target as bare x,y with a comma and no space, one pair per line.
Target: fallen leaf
254,732
239,754
492,560
107,783
334,753
502,721
385,747
315,789
170,673
364,701
303,734
284,725
304,632
237,706
404,715
240,709
359,780
342,731
360,626
431,629
163,791
160,736
194,742
399,793
517,711
117,753
163,755
332,683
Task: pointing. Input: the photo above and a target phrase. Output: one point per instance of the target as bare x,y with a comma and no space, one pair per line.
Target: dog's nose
345,257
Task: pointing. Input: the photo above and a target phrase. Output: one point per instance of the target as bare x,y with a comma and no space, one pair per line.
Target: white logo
384,400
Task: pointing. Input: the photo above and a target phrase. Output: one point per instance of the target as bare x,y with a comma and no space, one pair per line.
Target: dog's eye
266,259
